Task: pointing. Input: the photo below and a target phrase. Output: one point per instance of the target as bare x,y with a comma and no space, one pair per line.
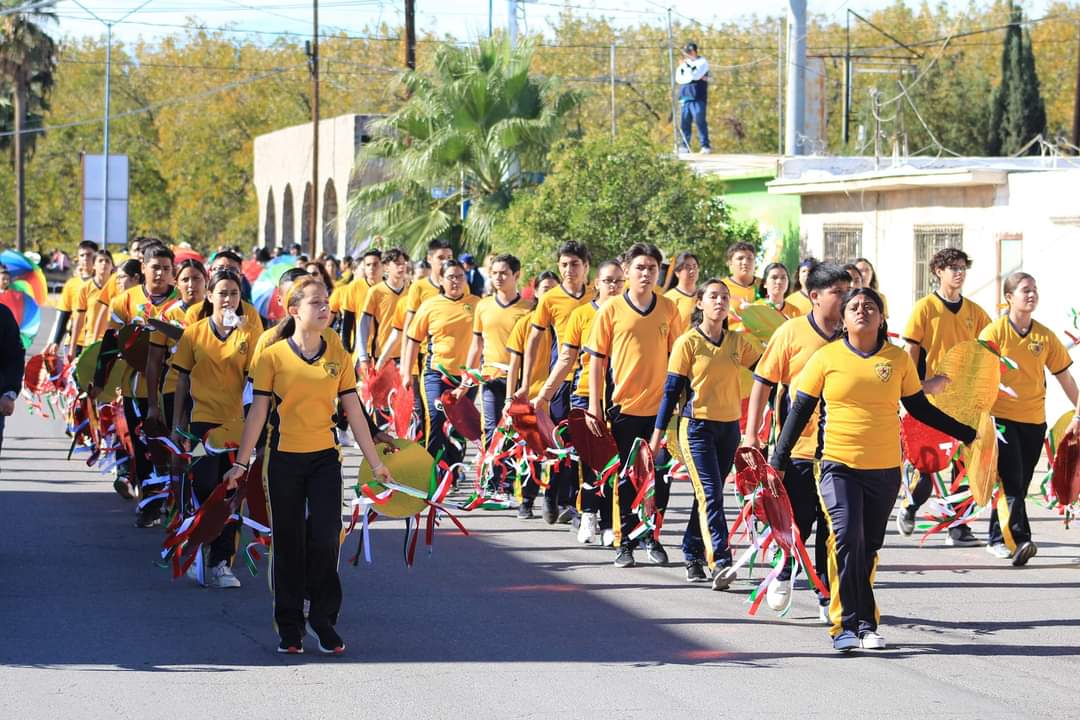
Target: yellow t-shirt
131,304
788,351
337,296
218,366
686,304
1037,351
636,343
937,329
110,291
740,295
553,313
800,302
381,304
69,294
577,334
788,310
303,393
516,346
444,327
713,372
175,316
861,394
494,322
249,316
87,303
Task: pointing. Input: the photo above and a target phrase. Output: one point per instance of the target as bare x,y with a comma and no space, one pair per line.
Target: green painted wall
776,215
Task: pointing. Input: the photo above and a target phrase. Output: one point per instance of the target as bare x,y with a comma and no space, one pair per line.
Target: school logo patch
468,308
1036,345
243,347
884,371
663,330
332,368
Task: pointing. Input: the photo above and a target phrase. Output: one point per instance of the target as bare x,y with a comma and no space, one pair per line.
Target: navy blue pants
708,447
625,429
693,113
435,432
493,399
563,483
857,506
206,474
802,490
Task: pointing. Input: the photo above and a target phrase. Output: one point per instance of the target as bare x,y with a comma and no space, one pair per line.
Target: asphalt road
513,621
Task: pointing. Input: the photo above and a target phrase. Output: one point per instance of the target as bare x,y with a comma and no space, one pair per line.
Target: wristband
377,468
241,465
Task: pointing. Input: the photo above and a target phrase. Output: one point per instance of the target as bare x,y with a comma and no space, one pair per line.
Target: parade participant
149,300
870,280
856,276
66,306
1021,420
785,356
298,380
703,379
740,280
494,321
87,307
800,296
380,306
684,294
595,512
444,325
231,260
773,290
355,294
633,334
12,365
938,322
212,360
553,314
318,269
861,379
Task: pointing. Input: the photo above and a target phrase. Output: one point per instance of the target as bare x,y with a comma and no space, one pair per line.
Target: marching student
87,308
800,296
444,325
785,356
380,306
354,295
595,508
938,322
298,380
553,314
631,338
685,292
703,379
66,306
861,379
212,360
494,321
740,280
870,280
1021,420
773,290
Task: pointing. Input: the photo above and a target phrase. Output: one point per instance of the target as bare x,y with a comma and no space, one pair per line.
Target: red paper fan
775,509
595,452
401,404
39,372
463,415
749,470
643,476
381,383
525,423
255,494
1066,476
929,450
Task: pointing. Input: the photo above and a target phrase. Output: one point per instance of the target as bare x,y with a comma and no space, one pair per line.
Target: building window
843,243
929,239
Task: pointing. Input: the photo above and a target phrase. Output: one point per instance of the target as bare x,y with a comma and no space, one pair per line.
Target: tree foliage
611,195
1017,111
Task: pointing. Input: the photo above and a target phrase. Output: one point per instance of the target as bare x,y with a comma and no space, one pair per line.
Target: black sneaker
291,646
1024,552
147,518
905,521
330,643
961,536
695,572
123,489
566,516
525,510
624,558
722,577
551,510
657,553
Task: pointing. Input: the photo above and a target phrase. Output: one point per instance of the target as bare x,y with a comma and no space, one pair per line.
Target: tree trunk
20,179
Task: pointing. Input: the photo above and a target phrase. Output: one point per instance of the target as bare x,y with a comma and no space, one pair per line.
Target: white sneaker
221,576
607,539
999,550
779,594
194,575
823,614
586,532
705,151
871,640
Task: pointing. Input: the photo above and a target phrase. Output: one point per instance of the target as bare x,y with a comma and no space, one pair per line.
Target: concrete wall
282,175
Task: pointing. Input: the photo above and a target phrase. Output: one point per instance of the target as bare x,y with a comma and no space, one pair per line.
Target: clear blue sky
466,19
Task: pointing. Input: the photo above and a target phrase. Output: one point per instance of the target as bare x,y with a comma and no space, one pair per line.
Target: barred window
929,239
843,243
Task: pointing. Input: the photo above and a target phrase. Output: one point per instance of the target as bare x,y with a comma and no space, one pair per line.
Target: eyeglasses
958,269
611,281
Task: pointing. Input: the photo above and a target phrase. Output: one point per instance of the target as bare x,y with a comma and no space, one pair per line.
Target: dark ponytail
287,327
698,316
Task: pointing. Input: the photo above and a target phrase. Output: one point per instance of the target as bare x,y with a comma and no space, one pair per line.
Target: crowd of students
648,349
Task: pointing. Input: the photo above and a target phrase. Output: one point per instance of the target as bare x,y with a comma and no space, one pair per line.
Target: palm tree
454,154
28,58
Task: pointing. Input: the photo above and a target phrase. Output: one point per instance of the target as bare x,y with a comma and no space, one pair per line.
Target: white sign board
93,200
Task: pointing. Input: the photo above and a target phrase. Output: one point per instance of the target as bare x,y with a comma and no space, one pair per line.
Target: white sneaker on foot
778,595
871,640
193,573
607,538
586,532
999,550
221,576
823,614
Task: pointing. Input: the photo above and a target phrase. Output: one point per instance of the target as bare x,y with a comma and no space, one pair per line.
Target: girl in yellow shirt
773,289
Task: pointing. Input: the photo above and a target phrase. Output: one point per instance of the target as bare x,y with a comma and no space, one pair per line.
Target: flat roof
902,178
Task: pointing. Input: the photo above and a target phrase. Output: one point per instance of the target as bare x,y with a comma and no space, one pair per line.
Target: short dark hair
949,257
372,252
574,248
132,268
825,275
545,275
681,258
511,262
608,263
883,332
228,255
740,247
191,263
438,244
104,254
88,245
157,250
451,263
642,248
290,275
394,254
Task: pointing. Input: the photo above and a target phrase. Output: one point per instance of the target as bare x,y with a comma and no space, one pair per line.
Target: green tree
470,136
611,195
1017,111
27,63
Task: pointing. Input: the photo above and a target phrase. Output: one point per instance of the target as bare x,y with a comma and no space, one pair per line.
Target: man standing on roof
692,77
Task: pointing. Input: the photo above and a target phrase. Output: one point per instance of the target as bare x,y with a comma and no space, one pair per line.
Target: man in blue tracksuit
692,77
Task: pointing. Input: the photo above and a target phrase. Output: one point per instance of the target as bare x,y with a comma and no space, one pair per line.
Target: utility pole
410,34
612,91
780,87
847,83
313,65
796,78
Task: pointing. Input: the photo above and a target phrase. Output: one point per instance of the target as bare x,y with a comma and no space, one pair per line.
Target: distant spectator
423,270
693,80
295,249
262,255
5,278
473,277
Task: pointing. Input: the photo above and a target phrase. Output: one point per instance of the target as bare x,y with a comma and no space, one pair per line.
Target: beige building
283,174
